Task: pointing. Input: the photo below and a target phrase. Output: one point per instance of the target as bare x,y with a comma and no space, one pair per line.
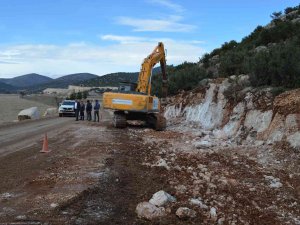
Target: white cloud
173,6
81,57
170,24
122,39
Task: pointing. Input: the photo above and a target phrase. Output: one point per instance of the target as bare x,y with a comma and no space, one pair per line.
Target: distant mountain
64,81
26,80
35,82
75,78
113,79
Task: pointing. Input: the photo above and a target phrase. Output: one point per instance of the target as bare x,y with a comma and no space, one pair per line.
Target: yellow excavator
133,101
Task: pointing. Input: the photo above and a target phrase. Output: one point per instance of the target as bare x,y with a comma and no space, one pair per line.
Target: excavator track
160,122
119,120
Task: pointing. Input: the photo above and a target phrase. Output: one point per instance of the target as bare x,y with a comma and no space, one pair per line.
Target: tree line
269,55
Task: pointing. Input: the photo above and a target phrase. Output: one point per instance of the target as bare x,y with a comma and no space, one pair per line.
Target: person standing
96,111
76,108
89,110
82,108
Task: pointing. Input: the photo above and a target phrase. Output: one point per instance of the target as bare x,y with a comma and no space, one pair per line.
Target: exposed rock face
149,211
209,114
256,118
30,113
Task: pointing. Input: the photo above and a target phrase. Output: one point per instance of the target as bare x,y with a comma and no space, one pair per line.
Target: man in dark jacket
82,108
88,110
96,111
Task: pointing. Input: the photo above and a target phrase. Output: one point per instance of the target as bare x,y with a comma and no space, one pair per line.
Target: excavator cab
127,87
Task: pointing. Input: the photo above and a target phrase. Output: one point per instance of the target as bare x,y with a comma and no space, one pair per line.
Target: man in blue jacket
88,109
96,111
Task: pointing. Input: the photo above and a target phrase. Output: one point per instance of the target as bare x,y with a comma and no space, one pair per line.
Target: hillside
6,88
111,79
26,80
270,55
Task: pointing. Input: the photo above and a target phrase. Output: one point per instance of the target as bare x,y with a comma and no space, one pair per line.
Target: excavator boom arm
144,80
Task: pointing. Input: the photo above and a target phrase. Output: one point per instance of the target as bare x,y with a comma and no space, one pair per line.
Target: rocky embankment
227,113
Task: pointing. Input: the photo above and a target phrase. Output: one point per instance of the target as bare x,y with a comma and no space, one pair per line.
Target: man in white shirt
76,108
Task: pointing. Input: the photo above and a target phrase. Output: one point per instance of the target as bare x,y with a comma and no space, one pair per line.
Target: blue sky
58,37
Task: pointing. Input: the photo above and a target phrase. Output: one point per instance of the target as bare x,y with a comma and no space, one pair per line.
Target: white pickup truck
66,108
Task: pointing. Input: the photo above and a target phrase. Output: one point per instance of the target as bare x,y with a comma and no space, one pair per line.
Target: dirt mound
185,98
288,102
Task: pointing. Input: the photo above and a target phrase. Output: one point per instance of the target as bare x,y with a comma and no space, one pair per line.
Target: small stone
53,205
185,213
221,221
213,213
233,182
6,195
149,211
162,163
161,198
195,201
21,217
181,189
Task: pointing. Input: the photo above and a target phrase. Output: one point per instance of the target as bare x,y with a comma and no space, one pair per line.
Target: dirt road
96,174
16,136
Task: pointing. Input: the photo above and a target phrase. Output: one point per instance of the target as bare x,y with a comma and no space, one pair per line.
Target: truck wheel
119,120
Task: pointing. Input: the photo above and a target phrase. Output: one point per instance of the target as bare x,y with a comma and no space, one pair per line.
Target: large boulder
30,113
149,211
161,198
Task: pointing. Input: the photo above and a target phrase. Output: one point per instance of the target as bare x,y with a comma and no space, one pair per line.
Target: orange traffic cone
45,145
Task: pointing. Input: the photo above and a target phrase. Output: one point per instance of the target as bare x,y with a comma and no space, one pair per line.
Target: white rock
208,114
53,205
149,211
6,195
195,201
258,120
162,163
213,212
30,113
258,143
221,221
294,140
50,112
161,198
274,182
203,144
21,217
184,213
181,188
